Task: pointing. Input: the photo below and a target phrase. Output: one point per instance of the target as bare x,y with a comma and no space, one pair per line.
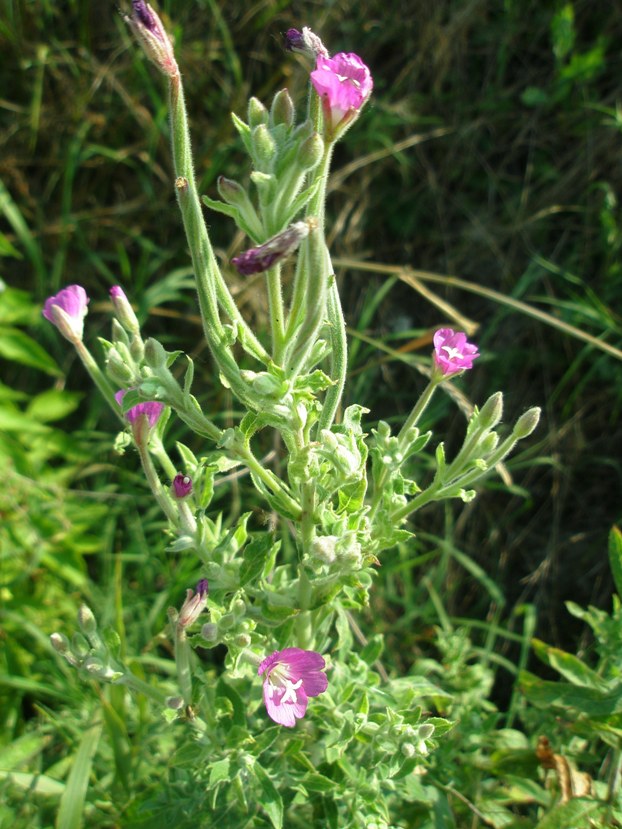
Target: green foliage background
492,150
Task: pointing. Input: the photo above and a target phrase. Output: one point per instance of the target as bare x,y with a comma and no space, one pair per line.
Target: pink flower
452,352
151,410
66,310
343,83
291,677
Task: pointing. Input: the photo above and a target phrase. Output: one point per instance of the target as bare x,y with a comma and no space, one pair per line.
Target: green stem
269,479
182,661
99,378
211,287
135,684
338,358
277,311
156,487
411,421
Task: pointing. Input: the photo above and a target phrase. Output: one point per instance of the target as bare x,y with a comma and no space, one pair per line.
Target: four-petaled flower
150,409
343,83
291,677
66,310
452,352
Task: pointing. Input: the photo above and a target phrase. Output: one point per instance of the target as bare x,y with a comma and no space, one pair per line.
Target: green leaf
53,404
615,557
373,649
220,772
20,348
256,556
271,801
34,783
569,666
573,813
72,802
563,695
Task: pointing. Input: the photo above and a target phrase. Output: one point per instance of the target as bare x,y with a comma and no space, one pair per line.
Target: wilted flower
182,485
343,83
152,410
66,310
259,259
291,677
152,36
452,352
194,604
305,42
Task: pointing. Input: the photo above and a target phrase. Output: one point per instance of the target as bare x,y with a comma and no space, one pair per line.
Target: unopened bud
194,605
408,750
181,486
60,643
155,354
86,620
123,310
257,113
492,411
152,36
231,192
282,110
264,146
311,152
526,423
209,632
242,640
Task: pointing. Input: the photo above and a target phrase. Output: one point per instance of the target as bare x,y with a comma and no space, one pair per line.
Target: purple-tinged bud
305,42
152,36
194,605
259,259
66,310
123,310
182,486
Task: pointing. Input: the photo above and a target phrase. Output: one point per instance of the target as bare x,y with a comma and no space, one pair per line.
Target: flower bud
282,110
86,620
526,423
123,310
242,640
257,113
181,486
151,35
408,750
194,605
492,411
60,643
231,192
209,632
155,354
310,152
264,146
118,369
175,703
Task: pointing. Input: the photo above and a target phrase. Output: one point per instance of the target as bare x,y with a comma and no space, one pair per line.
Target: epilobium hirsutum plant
344,495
